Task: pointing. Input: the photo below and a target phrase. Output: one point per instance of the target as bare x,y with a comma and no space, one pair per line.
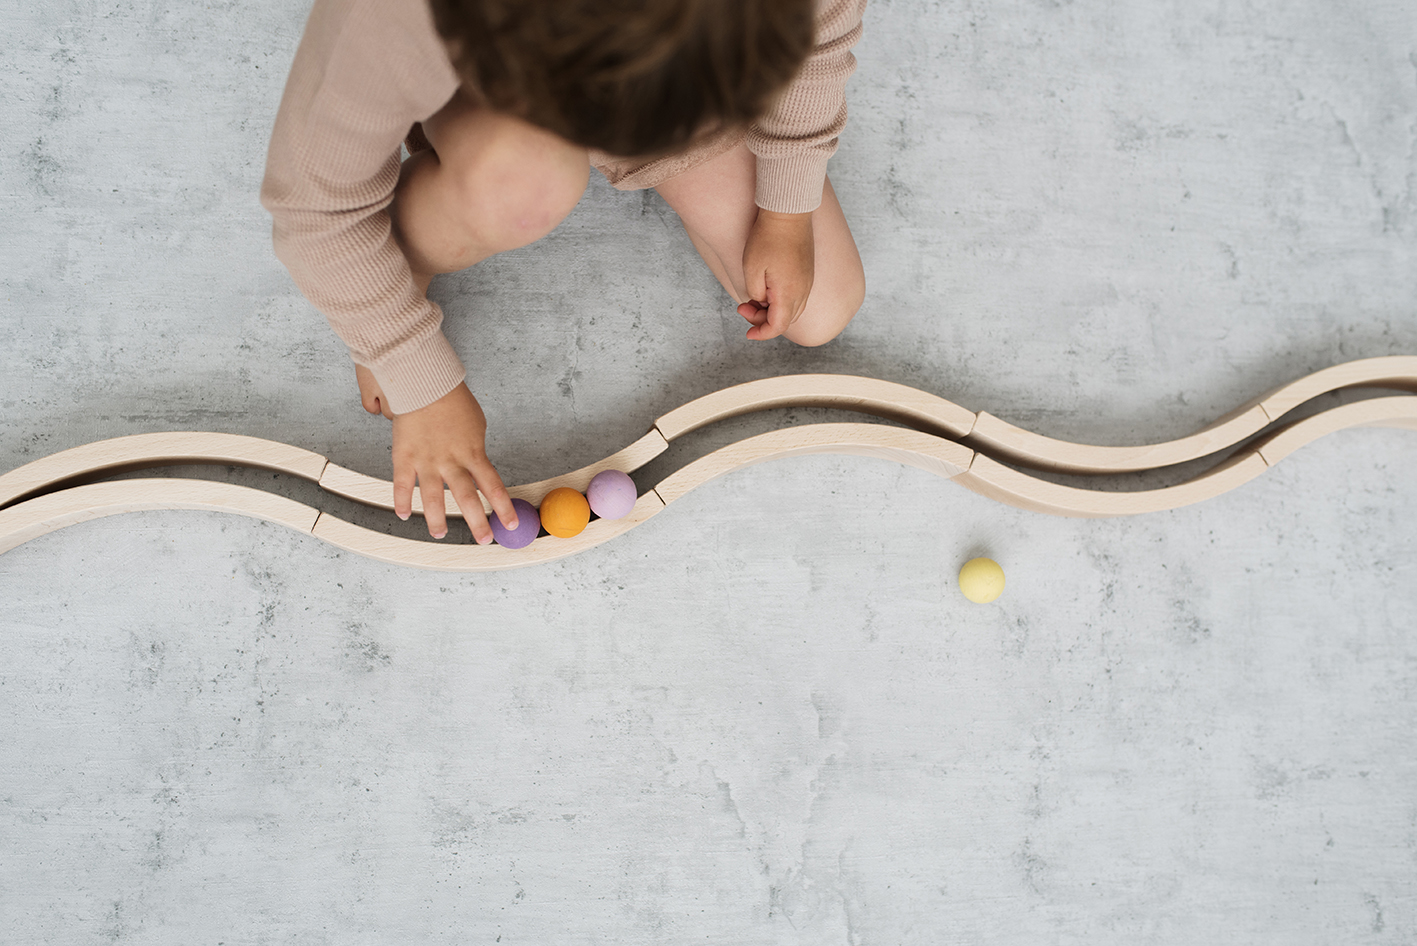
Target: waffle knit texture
365,73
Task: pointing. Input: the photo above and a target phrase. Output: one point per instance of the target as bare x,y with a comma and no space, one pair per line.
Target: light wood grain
936,455
457,557
1004,441
26,518
989,477
143,450
844,392
1391,371
372,491
44,514
1399,411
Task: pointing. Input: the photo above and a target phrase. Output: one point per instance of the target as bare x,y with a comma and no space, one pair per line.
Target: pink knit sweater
365,72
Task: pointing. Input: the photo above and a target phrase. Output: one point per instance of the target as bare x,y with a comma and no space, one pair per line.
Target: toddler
728,108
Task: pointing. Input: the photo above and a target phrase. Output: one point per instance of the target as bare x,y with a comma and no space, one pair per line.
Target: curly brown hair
629,77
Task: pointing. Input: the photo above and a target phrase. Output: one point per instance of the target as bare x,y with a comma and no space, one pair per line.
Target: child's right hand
437,444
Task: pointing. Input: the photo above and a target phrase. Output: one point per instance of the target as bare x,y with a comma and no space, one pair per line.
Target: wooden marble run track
975,449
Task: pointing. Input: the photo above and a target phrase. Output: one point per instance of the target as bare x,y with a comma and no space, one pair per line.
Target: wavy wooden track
146,450
43,514
973,449
1004,441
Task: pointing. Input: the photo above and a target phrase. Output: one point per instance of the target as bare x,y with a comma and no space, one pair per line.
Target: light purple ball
611,494
528,525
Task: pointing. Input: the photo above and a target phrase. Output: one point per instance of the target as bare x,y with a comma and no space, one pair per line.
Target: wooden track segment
989,477
27,519
43,514
1007,442
455,557
1016,445
1392,371
978,472
840,391
912,447
1399,411
143,450
372,491
845,392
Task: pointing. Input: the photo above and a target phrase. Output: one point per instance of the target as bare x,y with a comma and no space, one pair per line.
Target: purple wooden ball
612,494
528,525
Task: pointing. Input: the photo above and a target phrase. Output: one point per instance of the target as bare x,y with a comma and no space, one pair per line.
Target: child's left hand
778,262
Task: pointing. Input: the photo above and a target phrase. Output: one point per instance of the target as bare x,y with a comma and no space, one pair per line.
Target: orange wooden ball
564,512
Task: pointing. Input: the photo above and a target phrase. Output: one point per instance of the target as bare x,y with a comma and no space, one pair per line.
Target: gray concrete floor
767,716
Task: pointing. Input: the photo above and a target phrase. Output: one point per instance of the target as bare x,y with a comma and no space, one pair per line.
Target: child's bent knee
519,197
519,183
825,321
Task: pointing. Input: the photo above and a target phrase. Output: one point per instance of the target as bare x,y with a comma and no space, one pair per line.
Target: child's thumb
757,280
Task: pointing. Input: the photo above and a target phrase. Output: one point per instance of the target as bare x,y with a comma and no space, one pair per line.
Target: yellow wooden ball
981,580
564,512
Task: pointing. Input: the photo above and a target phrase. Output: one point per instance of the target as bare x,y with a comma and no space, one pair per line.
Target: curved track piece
842,391
43,514
1399,412
145,450
1391,371
912,447
989,477
1003,440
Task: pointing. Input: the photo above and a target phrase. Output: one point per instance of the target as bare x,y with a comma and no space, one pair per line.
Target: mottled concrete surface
766,716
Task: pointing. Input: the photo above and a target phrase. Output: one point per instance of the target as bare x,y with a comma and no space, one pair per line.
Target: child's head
630,77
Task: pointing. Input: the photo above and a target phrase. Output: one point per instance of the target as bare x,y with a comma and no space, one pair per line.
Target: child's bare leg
715,202
491,183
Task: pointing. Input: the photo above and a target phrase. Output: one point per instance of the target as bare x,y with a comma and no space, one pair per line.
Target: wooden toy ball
565,512
528,526
612,494
981,580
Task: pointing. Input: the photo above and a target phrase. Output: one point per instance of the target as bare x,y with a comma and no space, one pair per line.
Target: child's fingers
783,301
431,489
764,331
762,311
404,478
777,317
754,312
464,490
497,496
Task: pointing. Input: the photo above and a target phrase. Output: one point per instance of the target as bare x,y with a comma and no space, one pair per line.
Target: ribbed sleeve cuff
419,373
791,185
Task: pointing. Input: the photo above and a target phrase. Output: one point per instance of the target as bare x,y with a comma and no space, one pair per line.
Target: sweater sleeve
795,139
365,71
